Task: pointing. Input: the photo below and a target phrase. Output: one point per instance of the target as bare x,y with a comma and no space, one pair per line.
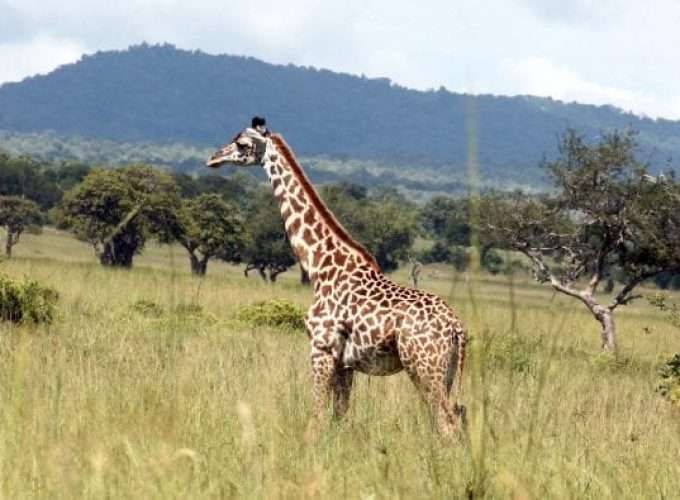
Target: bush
189,310
26,301
457,256
669,375
663,304
147,308
273,313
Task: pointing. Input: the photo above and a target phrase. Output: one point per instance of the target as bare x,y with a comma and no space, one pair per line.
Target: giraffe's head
247,148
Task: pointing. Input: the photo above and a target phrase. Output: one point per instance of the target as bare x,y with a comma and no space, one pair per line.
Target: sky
618,52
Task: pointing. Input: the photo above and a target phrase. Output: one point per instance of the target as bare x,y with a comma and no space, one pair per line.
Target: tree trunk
608,331
606,319
199,266
116,255
8,245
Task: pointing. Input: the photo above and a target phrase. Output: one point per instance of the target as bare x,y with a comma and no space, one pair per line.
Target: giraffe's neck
318,239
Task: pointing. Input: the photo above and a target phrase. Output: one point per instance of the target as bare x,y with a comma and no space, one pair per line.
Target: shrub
273,313
147,308
26,301
663,304
669,384
190,310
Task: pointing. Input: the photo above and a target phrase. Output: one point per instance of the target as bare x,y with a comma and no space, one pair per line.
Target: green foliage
492,261
457,256
207,227
663,303
273,313
117,210
266,248
669,380
40,180
384,222
27,301
447,219
667,281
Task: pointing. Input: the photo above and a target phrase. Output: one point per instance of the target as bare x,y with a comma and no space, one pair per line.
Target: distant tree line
117,210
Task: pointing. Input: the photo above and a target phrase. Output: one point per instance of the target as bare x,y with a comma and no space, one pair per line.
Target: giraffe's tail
457,363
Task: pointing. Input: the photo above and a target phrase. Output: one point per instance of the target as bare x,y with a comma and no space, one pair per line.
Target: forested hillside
163,95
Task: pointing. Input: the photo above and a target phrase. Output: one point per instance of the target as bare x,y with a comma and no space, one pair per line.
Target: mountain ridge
161,94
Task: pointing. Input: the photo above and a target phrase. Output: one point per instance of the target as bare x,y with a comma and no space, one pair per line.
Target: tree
447,219
209,227
117,210
606,212
16,216
24,176
266,248
387,230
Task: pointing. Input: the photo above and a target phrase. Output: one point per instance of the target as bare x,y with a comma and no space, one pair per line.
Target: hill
164,95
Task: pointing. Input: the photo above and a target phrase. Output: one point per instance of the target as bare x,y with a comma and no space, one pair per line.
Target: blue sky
618,52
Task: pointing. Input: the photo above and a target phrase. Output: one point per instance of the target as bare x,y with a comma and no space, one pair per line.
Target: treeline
236,219
117,210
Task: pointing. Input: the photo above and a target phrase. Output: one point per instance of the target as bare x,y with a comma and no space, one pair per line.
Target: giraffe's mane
321,208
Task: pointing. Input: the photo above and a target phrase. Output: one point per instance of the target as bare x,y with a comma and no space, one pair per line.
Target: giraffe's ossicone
360,320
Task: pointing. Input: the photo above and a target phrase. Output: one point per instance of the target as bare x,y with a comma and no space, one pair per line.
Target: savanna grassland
116,401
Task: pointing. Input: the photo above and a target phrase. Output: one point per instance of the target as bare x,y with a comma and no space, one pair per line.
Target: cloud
542,77
38,55
576,11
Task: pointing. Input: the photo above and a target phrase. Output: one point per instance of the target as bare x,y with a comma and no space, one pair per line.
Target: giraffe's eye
242,145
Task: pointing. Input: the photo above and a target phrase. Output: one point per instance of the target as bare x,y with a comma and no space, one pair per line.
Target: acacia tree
208,227
16,216
117,210
606,212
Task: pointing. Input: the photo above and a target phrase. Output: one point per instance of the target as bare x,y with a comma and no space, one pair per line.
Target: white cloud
541,77
38,55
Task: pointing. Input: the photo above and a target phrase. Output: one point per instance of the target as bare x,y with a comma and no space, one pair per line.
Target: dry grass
110,402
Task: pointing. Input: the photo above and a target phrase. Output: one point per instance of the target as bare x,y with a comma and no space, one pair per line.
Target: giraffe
360,320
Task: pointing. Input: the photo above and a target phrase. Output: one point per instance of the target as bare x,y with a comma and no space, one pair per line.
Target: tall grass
191,403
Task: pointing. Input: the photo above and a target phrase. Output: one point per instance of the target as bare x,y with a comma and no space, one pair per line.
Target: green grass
190,403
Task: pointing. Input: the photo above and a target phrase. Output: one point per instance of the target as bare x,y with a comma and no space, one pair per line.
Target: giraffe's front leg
329,377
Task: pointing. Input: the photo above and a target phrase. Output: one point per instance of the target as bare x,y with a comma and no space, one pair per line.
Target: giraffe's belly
371,360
